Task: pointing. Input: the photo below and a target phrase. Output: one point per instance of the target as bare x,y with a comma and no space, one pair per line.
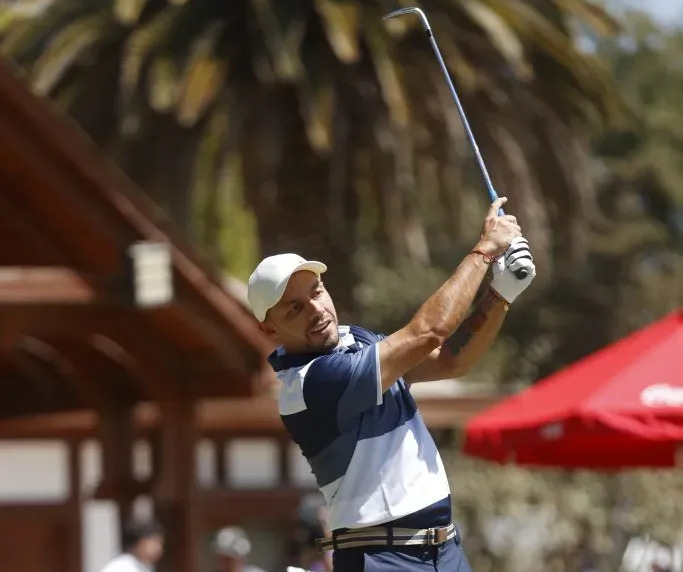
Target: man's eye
294,310
317,293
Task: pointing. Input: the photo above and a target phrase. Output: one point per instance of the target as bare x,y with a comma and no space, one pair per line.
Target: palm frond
388,73
282,26
341,20
317,98
590,14
500,35
164,87
128,12
140,45
25,40
204,75
362,101
65,48
205,177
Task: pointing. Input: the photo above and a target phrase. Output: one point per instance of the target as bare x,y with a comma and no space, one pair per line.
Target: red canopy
619,407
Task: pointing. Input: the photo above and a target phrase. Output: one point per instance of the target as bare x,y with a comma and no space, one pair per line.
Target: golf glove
505,283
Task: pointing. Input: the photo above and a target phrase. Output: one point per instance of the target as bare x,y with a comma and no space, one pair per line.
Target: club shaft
522,272
480,160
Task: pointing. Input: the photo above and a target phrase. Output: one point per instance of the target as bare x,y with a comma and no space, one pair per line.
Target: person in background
304,552
231,547
143,547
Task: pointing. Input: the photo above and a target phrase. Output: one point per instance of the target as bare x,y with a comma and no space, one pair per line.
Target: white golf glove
505,282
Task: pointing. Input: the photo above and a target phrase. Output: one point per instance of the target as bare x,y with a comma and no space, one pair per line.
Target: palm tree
321,125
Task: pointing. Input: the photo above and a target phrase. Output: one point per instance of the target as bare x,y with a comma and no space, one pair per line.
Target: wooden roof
68,336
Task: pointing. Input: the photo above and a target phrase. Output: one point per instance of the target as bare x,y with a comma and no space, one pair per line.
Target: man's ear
268,330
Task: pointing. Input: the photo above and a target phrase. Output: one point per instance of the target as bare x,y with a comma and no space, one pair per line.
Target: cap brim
310,265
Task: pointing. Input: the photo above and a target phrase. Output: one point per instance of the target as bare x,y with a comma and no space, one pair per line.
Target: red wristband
488,258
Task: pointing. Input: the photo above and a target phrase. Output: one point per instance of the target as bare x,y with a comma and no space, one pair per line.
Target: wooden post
117,434
176,492
222,470
74,502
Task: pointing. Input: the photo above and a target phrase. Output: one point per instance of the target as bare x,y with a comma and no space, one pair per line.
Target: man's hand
498,231
505,283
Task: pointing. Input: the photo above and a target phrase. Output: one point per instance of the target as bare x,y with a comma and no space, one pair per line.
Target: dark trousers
449,557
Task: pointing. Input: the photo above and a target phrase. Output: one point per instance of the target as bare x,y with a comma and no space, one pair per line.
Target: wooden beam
154,364
244,365
220,504
18,223
45,285
69,424
92,374
19,320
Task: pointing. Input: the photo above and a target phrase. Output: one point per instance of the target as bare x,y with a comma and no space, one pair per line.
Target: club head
416,11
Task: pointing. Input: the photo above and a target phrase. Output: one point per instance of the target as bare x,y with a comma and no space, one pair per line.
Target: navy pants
448,557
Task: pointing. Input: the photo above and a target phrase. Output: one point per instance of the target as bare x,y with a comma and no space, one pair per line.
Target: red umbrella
619,407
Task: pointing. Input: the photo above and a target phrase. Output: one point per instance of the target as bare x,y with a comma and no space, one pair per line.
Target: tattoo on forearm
471,325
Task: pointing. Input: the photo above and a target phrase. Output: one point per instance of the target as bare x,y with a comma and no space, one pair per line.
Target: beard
326,340
333,341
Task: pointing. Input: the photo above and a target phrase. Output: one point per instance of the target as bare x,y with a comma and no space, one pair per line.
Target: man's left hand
505,283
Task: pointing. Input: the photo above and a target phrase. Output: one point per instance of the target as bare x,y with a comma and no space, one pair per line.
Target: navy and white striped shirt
371,454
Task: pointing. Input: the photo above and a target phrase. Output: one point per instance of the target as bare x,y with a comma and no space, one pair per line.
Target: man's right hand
498,231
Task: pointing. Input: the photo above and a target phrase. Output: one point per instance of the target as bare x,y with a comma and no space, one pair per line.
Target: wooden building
117,398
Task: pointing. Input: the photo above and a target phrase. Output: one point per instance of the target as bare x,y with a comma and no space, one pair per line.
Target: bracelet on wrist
488,258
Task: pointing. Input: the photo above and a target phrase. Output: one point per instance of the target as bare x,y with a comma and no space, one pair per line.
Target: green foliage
362,103
537,520
524,520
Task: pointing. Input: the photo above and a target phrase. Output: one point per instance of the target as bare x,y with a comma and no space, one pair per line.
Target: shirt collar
280,359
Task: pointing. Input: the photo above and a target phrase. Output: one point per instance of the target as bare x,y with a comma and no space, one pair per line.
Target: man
143,547
345,398
231,548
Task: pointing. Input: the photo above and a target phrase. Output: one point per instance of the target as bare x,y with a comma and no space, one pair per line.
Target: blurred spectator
312,525
143,547
231,547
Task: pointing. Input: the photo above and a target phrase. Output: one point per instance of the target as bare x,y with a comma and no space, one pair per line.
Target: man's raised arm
444,311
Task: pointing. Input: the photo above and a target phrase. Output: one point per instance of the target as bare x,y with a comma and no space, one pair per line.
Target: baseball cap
231,541
269,280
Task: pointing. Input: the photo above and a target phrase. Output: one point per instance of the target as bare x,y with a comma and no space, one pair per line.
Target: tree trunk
289,188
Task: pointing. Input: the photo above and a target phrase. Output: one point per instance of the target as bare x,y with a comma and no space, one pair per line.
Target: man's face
304,320
150,549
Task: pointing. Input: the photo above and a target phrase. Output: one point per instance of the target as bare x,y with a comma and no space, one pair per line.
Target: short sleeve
349,383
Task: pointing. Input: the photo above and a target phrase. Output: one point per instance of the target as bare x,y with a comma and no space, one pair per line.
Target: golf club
522,272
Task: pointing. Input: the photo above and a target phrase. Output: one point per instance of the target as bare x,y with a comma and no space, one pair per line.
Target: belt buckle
436,536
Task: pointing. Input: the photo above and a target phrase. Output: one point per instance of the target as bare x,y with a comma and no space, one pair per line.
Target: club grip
520,273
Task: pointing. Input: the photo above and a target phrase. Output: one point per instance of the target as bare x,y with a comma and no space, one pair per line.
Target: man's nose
315,308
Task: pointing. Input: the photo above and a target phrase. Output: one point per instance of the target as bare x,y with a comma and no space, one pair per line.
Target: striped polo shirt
371,454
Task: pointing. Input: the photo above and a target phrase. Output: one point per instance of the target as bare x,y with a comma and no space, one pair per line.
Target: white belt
388,536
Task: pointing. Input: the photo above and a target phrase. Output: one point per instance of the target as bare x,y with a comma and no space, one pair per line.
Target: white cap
268,282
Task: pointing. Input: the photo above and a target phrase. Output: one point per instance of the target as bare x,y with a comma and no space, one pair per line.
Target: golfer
345,398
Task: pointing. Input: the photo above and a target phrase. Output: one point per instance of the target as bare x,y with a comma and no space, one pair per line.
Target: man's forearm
476,333
445,310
